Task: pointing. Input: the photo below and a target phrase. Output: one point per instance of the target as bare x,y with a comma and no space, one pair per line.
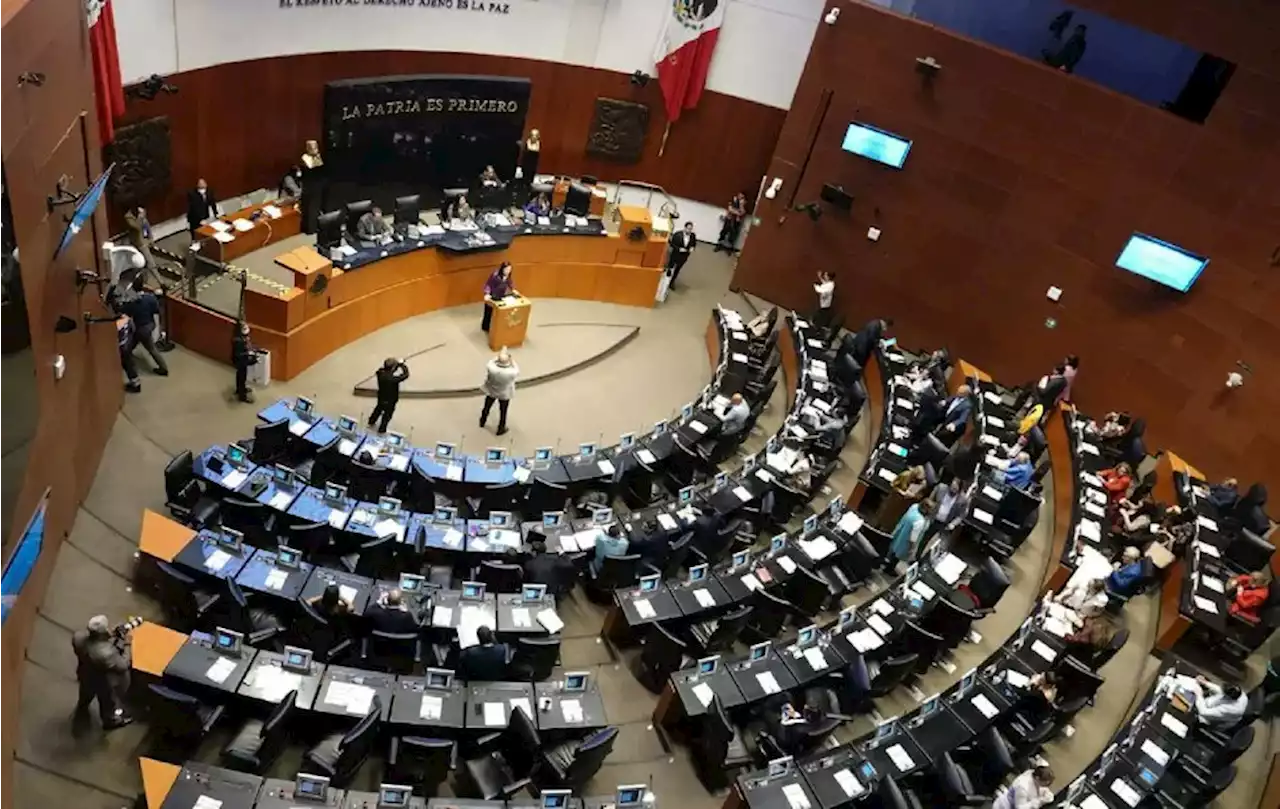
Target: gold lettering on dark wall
415,105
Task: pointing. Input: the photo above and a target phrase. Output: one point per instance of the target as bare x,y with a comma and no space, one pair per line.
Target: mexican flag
688,38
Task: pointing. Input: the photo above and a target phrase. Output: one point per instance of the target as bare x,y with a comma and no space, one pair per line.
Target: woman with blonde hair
499,385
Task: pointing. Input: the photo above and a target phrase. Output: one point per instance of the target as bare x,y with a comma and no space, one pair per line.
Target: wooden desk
1172,624
874,384
968,371
157,779
154,647
594,208
1064,496
265,231
509,323
302,326
162,537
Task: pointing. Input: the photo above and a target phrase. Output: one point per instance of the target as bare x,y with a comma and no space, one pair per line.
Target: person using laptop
484,662
609,542
390,614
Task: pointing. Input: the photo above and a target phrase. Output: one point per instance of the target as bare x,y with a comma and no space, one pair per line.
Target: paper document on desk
905,404
1091,530
667,522
992,493
1089,448
739,357
795,796
388,527
850,522
1205,522
276,579
1056,627
646,457
988,440
205,802
1126,792
568,544
337,518
787,564
768,682
1208,550
851,786
571,710
469,622
995,422
218,226
550,620
1205,604
586,539
346,446
494,714
280,500
452,537
398,463
983,516
224,238
1016,678
1095,510
923,590
521,474
818,548
1043,650
217,560
881,607
1091,479
1155,752
442,616
815,658
949,568
1093,802
864,640
704,693
234,478
431,707
242,225
887,474
991,397
900,758
1174,725
697,426
504,538
742,493
520,616
221,670
521,703
751,582
984,706
643,608
879,625
605,466
453,472
1213,584
299,427
704,598
273,682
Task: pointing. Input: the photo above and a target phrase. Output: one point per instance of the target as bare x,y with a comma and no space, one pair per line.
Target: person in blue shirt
1018,472
610,542
1128,573
538,206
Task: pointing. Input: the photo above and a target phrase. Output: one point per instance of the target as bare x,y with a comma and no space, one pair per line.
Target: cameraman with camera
102,667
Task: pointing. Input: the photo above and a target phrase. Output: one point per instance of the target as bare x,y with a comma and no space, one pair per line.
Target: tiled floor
649,378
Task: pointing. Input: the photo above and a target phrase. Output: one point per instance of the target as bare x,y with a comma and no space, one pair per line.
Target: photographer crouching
102,666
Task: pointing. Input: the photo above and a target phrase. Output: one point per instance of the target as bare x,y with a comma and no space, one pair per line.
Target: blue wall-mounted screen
876,144
1162,262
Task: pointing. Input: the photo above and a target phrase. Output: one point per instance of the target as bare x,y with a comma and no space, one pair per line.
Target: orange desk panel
154,647
162,537
157,779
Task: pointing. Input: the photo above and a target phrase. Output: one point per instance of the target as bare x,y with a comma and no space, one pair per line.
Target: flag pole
666,134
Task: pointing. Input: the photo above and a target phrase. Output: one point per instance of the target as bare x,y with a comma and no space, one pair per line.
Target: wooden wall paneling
240,125
1021,177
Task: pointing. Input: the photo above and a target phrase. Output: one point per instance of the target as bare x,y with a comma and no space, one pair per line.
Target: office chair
574,762
376,555
408,209
180,717
395,652
534,658
675,558
421,497
891,796
844,571
767,618
1173,792
501,577
311,538
185,494
355,210
577,200
327,465
925,644
261,628
329,229
545,495
954,785
328,641
1246,552
339,755
258,743
807,592
891,674
500,497
255,520
270,442
718,635
185,603
951,622
989,758
368,482
720,748
1103,656
423,762
501,759
1201,759
662,655
616,572
985,588
787,501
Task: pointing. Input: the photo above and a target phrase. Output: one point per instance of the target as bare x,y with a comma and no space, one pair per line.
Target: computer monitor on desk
289,558
552,519
473,590
297,659
346,426
533,593
445,515
759,651
335,493
648,584
495,456
444,451
555,798
630,795
394,796
439,679
228,642
237,456
576,681
412,584
311,788
304,407
229,539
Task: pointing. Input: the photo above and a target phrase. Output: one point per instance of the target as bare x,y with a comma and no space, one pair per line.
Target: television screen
87,204
1162,262
876,144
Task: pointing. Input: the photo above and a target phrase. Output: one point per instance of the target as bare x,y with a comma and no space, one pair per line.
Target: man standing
201,205
143,307
390,375
242,356
139,230
680,246
102,667
125,335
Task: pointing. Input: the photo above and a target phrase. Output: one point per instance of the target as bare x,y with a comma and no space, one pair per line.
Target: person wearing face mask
243,356
291,184
202,204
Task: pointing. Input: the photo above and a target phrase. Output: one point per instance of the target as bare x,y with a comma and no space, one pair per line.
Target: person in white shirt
1087,598
1220,706
1030,790
735,414
826,289
499,386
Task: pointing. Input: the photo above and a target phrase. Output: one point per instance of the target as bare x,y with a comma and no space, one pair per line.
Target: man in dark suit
484,662
390,375
867,338
389,614
679,248
201,205
551,569
956,412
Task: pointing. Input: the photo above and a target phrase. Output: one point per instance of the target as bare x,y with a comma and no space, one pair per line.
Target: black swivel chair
329,229
186,603
575,762
986,586
408,209
1202,759
398,652
767,618
185,494
1173,792
1103,656
257,521
720,748
260,626
616,572
355,210
951,622
328,464
270,442
534,658
954,785
577,199
925,645
501,577
718,635
423,762
677,554
339,755
258,743
422,487
500,497
850,566
1248,552
312,538
328,642
543,496
505,759
891,674
989,760
368,482
891,796
663,654
808,592
179,717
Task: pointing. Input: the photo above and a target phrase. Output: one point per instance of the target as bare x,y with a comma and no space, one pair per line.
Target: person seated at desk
1113,425
1136,515
798,467
832,427
390,614
1249,593
1250,510
1019,472
536,207
1127,575
1087,598
372,227
330,603
366,457
734,415
609,542
461,210
1040,697
1219,706
653,543
1225,495
785,724
489,178
1117,481
1093,637
1030,790
906,535
551,569
291,184
486,661
911,482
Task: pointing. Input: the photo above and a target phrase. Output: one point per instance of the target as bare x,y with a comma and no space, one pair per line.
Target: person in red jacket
1117,481
1251,591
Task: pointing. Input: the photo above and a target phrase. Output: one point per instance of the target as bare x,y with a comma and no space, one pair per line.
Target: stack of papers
646,457
453,472
667,522
520,616
357,699
571,710
1205,522
751,582
217,560
337,518
742,493
469,622
818,548
242,225
864,640
388,527
431,706
880,625
442,616
1043,650
900,758
1205,604
850,523
992,493
887,474
272,211
299,427
218,226
816,660
1175,725
949,568
787,564
276,578
221,670
550,620
398,463
224,237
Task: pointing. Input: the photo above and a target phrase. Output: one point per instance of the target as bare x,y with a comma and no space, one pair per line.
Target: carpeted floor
647,378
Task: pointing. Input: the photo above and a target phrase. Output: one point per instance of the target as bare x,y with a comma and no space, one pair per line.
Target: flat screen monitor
229,642
85,206
412,583
708,665
555,798
552,519
650,583
311,787
446,515
758,651
1161,262
495,455
439,678
346,425
542,454
237,455
576,680
533,593
335,493
473,590
876,144
393,795
288,557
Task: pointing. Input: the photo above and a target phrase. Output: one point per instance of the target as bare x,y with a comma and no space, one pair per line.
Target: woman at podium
499,286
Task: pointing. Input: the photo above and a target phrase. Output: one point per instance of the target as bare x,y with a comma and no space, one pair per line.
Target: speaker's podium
508,321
